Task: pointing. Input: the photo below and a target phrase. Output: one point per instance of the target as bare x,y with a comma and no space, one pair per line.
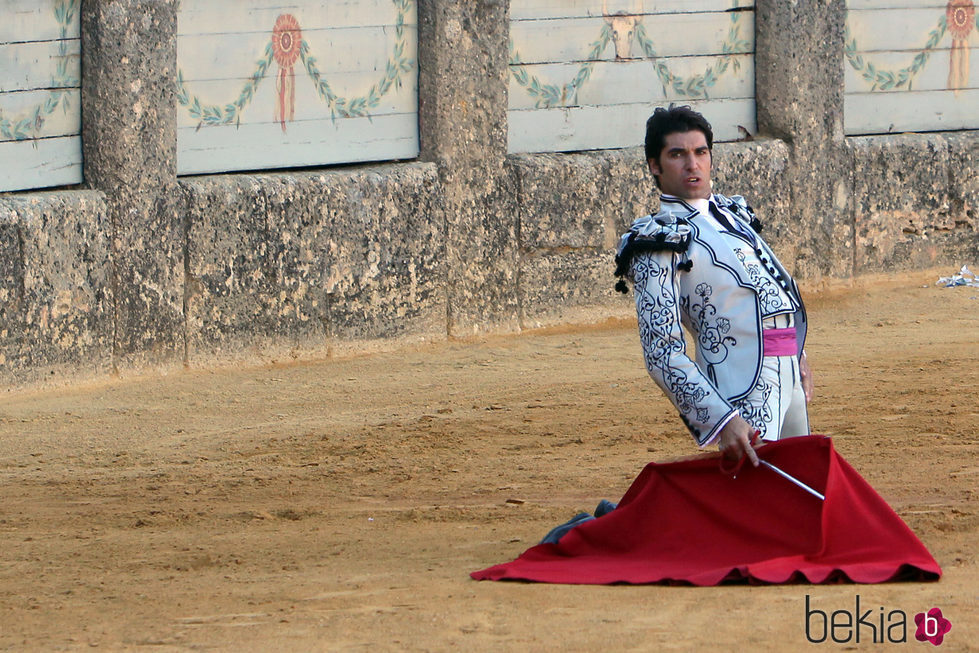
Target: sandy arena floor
341,505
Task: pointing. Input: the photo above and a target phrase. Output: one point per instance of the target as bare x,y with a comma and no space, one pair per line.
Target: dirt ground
340,505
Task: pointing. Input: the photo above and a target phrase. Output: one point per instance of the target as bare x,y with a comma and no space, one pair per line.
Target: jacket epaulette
650,234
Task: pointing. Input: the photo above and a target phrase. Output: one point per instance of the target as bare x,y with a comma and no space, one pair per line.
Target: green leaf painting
889,80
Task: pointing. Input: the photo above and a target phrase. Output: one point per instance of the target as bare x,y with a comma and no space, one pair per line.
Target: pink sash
779,342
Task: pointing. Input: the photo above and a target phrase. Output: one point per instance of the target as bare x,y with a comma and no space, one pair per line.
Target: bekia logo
932,626
877,626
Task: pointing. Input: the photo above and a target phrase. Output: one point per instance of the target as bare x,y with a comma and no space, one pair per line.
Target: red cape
686,522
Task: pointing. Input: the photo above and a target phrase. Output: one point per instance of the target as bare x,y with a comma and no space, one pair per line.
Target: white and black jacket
684,272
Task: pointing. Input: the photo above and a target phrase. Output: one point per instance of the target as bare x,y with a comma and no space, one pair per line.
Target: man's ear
654,167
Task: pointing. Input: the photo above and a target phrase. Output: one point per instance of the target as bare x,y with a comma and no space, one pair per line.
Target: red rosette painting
960,16
287,39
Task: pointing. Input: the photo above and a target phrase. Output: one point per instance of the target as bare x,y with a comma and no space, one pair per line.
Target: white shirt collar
700,204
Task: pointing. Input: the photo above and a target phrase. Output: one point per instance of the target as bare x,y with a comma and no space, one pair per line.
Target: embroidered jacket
684,272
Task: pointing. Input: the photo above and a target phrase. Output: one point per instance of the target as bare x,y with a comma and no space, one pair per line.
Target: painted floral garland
962,14
550,95
230,113
885,80
30,126
696,86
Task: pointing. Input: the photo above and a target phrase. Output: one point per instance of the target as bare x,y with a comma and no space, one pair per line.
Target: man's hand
736,440
805,372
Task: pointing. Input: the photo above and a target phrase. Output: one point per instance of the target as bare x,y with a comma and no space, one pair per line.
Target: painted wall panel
350,51
670,35
933,77
895,4
264,84
27,66
895,29
587,75
576,8
40,108
568,129
63,121
31,20
211,16
911,66
42,163
920,111
630,82
362,139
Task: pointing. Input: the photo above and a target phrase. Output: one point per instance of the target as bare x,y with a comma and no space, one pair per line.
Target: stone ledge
554,285
55,302
915,199
302,260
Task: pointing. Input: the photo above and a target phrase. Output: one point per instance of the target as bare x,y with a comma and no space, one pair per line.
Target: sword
792,479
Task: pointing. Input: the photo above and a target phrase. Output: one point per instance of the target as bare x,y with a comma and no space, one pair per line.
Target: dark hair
675,119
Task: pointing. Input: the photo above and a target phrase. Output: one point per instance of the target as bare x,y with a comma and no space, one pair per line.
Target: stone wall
915,200
282,264
141,268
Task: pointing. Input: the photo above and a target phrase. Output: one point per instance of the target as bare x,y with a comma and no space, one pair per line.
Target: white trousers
776,406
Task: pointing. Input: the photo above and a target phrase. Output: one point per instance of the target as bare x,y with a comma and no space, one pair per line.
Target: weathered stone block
481,255
754,169
303,261
632,191
578,200
963,151
384,273
563,199
55,299
583,200
564,287
573,207
909,203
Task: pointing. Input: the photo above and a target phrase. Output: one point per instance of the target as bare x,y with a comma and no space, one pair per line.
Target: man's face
684,165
